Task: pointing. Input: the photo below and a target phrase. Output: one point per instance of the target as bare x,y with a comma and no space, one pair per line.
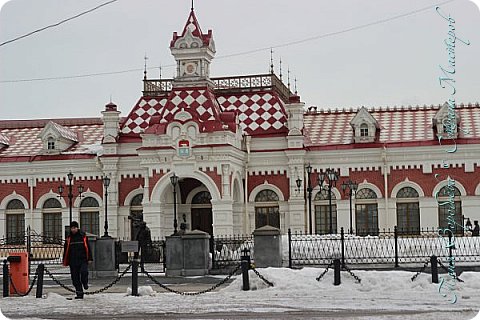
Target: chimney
111,123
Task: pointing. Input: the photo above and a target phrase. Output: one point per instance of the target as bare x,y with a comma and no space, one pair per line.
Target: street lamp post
330,178
106,183
174,181
309,190
70,193
350,187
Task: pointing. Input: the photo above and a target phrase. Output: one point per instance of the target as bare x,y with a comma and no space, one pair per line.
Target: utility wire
56,24
244,52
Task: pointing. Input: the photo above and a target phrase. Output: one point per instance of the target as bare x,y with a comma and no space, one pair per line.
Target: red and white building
238,145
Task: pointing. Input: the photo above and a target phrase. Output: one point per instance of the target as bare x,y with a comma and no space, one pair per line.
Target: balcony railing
238,84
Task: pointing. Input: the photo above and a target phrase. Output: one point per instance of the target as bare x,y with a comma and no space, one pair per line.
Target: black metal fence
226,251
385,247
41,249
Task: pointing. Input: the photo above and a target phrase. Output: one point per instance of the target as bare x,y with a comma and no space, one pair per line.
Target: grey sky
394,63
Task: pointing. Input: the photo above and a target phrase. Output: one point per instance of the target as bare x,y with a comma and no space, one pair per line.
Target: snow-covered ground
295,290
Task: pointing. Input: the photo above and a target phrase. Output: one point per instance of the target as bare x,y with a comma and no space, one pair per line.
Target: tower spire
271,60
192,5
288,77
281,69
145,67
296,86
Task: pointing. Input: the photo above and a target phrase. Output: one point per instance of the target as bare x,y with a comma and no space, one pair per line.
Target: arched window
322,212
266,209
408,211
366,212
363,130
445,205
89,216
15,216
136,214
52,220
203,197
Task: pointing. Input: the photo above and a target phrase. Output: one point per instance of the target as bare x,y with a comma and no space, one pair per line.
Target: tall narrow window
366,212
322,212
266,209
15,216
408,211
89,216
51,144
445,205
363,130
52,220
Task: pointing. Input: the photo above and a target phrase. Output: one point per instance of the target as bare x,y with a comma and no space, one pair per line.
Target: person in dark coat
144,238
475,230
77,255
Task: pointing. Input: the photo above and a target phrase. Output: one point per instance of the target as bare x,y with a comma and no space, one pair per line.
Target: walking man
77,255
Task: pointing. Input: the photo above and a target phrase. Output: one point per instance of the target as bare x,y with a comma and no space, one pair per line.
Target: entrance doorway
201,212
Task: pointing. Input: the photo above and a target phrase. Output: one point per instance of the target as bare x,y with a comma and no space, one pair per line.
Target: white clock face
190,68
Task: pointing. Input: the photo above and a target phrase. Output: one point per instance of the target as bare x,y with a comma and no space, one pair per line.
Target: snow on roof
405,124
25,141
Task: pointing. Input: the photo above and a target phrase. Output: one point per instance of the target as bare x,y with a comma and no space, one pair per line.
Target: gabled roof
59,131
363,116
4,139
397,125
193,26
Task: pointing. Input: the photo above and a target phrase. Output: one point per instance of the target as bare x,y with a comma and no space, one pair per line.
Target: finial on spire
288,77
110,98
271,60
160,67
281,69
296,86
145,67
192,5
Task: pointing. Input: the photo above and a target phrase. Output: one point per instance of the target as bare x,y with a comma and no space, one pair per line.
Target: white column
222,217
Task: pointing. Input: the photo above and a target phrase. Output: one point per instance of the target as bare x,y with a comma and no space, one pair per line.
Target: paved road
290,315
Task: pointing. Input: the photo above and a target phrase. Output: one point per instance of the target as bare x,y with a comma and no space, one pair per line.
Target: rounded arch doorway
201,212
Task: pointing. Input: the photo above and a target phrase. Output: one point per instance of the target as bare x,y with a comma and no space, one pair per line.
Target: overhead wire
291,43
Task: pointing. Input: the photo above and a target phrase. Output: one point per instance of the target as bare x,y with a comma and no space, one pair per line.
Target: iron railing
379,247
226,251
236,84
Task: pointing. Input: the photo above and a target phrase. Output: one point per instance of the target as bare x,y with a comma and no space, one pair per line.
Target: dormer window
364,130
445,122
57,138
51,144
364,126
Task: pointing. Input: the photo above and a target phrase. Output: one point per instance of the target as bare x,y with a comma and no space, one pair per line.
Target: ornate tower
193,51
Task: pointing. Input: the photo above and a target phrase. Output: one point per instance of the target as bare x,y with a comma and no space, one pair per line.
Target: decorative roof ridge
195,31
313,110
38,123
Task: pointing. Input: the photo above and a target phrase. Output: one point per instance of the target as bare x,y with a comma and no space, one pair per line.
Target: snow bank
142,291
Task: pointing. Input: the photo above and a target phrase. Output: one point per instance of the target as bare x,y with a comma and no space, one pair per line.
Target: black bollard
245,267
434,266
135,275
5,279
40,271
336,270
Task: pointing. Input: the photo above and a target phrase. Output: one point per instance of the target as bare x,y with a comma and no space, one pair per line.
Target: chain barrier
352,274
445,268
422,269
230,275
108,286
29,289
325,272
260,276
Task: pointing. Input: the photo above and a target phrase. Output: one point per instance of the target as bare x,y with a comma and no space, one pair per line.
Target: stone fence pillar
268,247
188,254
